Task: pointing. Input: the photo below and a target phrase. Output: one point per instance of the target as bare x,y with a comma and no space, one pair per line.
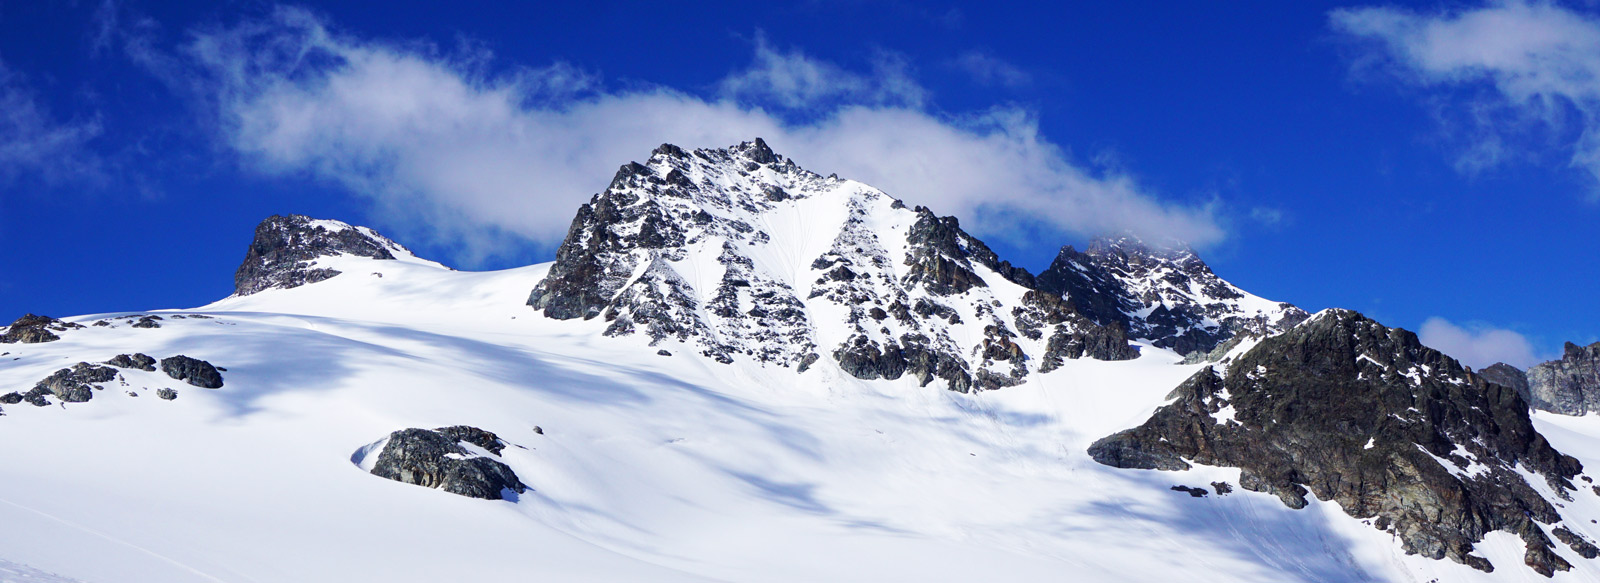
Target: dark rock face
435,459
148,322
76,384
1187,307
136,360
166,394
1364,415
942,256
284,252
1506,375
36,396
1570,386
33,329
193,371
11,398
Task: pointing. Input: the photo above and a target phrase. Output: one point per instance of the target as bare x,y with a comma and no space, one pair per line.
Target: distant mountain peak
286,249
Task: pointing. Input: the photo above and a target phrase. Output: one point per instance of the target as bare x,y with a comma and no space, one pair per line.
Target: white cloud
471,158
35,144
1478,346
988,69
1539,60
795,81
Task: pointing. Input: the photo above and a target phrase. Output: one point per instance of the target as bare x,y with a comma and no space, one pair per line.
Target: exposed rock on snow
34,329
1570,386
1366,416
193,371
136,361
76,384
436,459
166,394
1166,295
285,251
148,322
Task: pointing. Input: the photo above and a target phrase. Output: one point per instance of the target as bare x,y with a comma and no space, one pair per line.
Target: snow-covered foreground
649,468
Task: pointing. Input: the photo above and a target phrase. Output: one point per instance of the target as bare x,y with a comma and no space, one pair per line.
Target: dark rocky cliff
1364,415
1570,386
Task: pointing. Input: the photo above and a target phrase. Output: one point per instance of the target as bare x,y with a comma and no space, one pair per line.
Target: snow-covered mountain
739,370
746,255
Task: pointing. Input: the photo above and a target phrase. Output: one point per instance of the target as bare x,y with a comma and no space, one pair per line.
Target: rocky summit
286,252
1163,293
1571,385
746,255
1352,411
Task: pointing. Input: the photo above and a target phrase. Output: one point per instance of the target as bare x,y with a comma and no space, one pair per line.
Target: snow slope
649,468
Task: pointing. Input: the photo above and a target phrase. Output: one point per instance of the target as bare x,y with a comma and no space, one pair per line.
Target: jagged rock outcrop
436,459
1364,415
743,254
193,371
286,250
1570,386
1506,375
136,360
1166,295
73,385
34,329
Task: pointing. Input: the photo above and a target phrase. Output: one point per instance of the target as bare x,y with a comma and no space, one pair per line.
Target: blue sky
1433,165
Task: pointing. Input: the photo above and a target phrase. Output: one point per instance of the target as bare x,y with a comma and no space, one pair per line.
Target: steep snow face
645,467
291,251
745,255
1164,294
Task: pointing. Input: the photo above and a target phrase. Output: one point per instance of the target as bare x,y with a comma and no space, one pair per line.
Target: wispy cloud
988,69
1478,346
36,144
1536,63
448,150
791,79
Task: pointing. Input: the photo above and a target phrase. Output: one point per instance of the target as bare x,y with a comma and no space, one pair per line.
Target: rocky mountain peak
1573,352
1130,249
1571,385
286,249
1345,408
745,255
1163,293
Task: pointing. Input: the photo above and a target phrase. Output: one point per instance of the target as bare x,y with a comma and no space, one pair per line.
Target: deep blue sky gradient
1253,105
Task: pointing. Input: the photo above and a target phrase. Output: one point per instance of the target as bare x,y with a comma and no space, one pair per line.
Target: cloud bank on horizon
471,158
1536,66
